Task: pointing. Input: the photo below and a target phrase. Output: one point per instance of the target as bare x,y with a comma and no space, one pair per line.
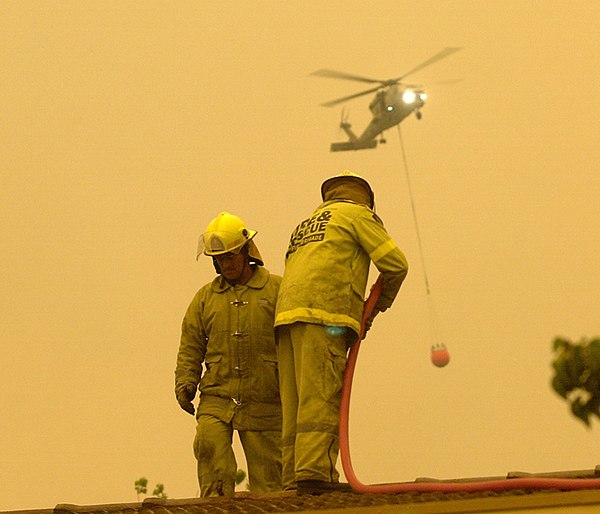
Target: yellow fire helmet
228,233
345,175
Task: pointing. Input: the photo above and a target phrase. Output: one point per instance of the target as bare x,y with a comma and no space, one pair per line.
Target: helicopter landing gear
418,114
382,140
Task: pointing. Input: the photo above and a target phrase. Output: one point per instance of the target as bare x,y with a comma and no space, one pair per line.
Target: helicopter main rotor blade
449,50
445,82
350,97
332,74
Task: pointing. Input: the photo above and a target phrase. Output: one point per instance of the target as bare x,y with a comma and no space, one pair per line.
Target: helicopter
393,102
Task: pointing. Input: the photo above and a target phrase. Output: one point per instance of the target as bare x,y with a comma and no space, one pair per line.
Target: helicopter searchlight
393,102
409,96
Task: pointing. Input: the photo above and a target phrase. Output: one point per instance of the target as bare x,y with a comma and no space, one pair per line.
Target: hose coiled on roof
566,484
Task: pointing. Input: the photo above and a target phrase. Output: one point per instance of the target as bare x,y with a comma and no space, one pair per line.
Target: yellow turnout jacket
229,329
327,266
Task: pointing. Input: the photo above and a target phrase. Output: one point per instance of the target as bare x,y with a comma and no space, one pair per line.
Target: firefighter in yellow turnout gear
318,317
228,327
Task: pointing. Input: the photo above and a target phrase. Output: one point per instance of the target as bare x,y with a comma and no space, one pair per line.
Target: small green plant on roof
577,375
240,476
159,491
141,487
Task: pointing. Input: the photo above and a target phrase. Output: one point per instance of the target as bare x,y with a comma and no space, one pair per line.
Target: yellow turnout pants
216,460
312,360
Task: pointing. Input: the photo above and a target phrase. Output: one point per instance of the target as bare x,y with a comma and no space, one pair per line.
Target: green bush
577,376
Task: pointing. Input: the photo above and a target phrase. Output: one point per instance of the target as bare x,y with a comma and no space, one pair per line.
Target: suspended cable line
432,316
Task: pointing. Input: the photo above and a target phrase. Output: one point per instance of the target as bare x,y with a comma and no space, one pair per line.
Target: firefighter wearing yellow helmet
228,329
318,317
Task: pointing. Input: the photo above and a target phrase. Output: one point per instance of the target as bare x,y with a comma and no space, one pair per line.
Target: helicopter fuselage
389,107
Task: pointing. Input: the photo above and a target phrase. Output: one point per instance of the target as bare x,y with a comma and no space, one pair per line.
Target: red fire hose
423,487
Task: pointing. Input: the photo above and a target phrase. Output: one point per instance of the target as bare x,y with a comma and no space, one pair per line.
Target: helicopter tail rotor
344,117
346,126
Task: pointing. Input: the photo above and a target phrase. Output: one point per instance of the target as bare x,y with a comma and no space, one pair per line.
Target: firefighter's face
234,267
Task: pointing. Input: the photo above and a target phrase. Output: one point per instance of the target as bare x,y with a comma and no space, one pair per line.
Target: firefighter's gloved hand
370,319
185,395
368,323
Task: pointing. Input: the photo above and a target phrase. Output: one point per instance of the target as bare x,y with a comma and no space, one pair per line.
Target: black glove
369,321
185,395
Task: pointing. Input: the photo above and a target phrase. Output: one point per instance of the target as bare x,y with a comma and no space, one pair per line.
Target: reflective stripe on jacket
230,330
327,265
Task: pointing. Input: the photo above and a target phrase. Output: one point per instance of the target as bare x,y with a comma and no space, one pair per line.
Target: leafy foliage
159,491
141,487
577,376
240,476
